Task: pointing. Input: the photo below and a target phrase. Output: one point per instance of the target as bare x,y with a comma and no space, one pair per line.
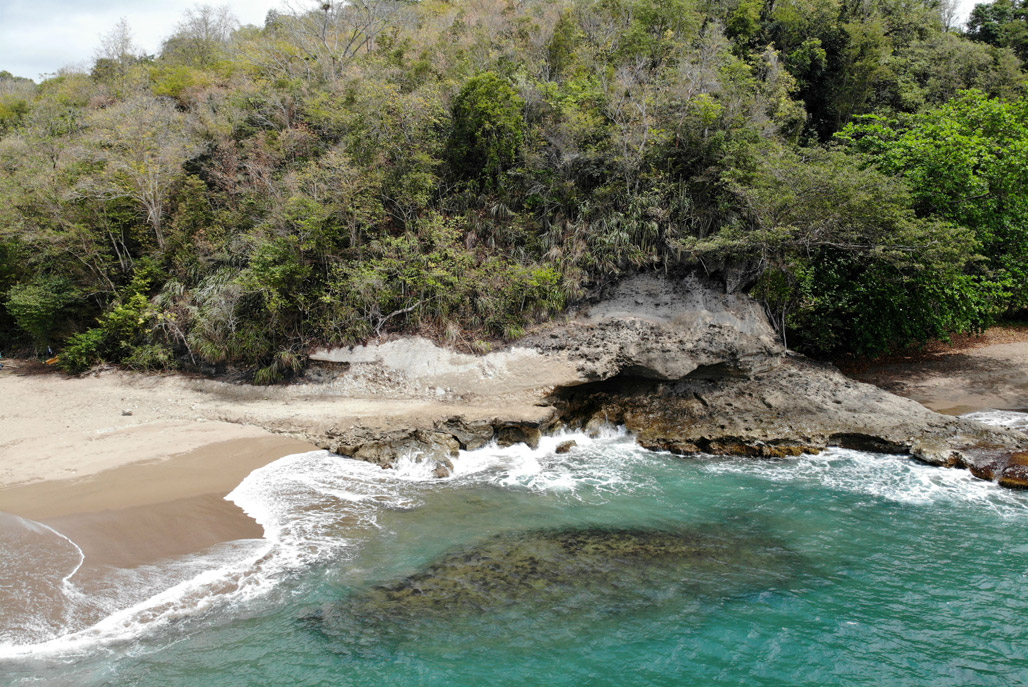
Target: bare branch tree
949,11
327,35
142,143
202,34
117,44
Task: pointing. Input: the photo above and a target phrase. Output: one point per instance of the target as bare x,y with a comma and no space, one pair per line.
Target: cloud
41,36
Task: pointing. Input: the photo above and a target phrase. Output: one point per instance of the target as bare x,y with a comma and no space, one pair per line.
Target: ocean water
608,565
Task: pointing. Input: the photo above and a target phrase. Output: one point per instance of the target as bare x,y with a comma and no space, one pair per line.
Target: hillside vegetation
463,168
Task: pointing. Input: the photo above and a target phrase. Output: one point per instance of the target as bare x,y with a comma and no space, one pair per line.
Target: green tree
965,162
1003,23
840,259
37,306
488,128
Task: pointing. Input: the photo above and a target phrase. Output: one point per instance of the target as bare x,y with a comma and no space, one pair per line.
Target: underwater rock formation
576,570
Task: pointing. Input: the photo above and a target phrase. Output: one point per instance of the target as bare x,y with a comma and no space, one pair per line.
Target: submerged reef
575,573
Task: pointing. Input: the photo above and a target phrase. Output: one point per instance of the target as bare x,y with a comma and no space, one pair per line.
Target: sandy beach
120,471
972,373
134,468
119,467
144,511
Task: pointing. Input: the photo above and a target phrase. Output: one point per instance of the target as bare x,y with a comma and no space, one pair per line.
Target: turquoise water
841,569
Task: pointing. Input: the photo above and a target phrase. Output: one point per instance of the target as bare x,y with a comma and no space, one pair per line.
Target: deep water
610,565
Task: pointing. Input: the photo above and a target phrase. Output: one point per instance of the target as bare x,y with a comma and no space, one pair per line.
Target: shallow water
839,569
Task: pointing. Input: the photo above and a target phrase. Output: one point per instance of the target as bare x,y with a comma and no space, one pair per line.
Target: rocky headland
685,366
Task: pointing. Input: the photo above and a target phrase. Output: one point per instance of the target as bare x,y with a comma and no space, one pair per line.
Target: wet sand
142,512
123,520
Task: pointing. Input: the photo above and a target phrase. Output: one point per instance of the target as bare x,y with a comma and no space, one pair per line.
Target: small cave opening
575,404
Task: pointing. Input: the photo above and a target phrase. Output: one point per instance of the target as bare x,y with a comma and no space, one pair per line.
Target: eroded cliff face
691,370
663,328
684,366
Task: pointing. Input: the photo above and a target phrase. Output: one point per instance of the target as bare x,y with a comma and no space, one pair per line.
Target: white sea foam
30,546
287,500
889,477
1001,418
893,478
315,507
312,507
594,468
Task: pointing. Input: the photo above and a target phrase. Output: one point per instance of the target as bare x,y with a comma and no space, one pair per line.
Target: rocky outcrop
437,445
685,366
692,370
797,407
665,329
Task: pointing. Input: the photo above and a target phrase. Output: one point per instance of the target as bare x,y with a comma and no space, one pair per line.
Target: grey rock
688,368
666,329
798,407
518,433
470,435
426,445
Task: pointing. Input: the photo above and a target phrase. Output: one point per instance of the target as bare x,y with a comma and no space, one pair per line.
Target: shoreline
97,453
136,466
146,511
133,468
139,520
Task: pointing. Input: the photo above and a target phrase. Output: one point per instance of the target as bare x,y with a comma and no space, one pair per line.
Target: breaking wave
319,507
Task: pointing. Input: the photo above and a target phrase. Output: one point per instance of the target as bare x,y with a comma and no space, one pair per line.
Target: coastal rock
470,435
419,444
418,368
1015,474
566,446
665,329
684,365
439,444
649,326
796,407
518,433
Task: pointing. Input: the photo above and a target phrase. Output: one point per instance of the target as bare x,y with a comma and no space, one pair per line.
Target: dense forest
464,168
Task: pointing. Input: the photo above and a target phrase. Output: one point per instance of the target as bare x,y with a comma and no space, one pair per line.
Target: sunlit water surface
846,568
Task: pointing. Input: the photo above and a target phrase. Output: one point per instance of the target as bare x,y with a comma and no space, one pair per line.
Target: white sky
41,36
